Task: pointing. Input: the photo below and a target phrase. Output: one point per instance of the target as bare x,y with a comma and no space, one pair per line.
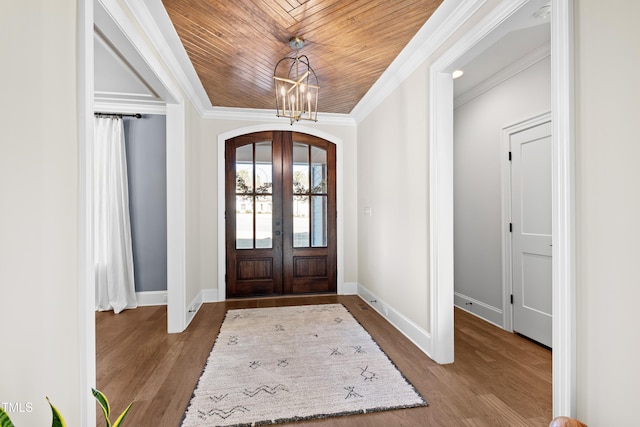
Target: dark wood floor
498,378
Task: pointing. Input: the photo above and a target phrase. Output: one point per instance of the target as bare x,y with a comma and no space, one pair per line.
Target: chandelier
297,88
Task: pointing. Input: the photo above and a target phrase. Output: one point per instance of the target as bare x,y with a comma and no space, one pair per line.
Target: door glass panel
254,190
318,170
300,221
300,168
244,169
264,222
244,222
309,200
318,221
264,169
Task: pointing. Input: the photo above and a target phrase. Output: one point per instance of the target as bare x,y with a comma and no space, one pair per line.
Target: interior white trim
155,21
480,309
447,18
222,291
505,189
113,106
129,39
116,24
151,298
506,249
441,140
175,138
441,215
269,116
192,308
153,18
564,217
504,74
409,329
130,101
86,272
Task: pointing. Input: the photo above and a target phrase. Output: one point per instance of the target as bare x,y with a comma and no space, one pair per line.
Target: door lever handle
277,233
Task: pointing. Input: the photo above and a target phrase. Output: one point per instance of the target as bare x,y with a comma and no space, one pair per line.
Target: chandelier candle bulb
283,98
299,81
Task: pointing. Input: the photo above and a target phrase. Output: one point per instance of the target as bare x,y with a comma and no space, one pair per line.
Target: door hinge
509,155
510,227
511,298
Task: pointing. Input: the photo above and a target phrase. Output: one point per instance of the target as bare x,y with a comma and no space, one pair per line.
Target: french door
280,214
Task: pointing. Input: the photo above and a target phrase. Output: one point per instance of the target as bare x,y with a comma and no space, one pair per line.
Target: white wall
39,181
193,200
392,182
478,223
608,210
39,314
608,206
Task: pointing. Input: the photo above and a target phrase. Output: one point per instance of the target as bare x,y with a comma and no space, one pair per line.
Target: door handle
277,233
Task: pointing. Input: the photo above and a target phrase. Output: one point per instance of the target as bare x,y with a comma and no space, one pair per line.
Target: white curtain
115,288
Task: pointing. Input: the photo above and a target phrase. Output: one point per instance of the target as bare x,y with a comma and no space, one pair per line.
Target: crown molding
448,18
256,115
156,24
127,107
504,74
153,18
104,96
130,37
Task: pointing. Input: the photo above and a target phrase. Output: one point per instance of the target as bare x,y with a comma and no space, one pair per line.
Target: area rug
284,364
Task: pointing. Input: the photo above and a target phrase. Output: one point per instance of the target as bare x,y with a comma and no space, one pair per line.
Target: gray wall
145,141
478,224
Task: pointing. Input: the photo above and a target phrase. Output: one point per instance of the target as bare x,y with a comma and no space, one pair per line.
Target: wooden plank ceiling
234,45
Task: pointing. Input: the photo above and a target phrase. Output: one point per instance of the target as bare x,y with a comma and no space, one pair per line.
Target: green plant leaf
58,421
104,404
121,417
4,419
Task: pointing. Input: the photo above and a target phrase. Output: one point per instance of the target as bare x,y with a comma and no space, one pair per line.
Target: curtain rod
136,115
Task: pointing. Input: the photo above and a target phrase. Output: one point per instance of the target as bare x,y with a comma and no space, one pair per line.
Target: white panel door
531,234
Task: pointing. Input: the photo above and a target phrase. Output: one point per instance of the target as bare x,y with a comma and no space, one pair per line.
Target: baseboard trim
192,309
417,335
204,296
150,298
479,309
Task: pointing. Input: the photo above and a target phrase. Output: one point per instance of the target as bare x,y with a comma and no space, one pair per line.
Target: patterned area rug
276,365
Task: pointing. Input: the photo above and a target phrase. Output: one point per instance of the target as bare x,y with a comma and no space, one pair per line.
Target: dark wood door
280,214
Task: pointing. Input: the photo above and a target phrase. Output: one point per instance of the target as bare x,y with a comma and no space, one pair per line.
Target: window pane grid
310,196
254,197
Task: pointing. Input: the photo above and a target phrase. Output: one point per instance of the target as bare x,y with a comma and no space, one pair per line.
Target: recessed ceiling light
457,73
543,13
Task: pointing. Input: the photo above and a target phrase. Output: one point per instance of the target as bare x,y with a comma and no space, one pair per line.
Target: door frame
176,172
506,188
440,143
222,289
